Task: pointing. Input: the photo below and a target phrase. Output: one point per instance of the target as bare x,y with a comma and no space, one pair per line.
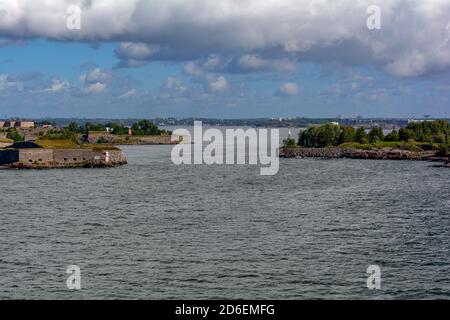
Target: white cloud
58,85
94,88
174,84
135,54
204,72
255,30
96,81
129,93
218,85
98,75
193,69
288,89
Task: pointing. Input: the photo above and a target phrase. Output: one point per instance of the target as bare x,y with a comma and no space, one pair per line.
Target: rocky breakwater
376,154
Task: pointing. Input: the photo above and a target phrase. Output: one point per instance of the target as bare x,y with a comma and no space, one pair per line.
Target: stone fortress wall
35,156
75,156
60,158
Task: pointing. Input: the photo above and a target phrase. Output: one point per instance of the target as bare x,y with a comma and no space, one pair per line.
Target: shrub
443,150
392,136
289,143
102,140
410,146
14,135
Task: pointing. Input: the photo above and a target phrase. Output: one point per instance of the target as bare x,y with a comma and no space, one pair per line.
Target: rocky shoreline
376,154
49,165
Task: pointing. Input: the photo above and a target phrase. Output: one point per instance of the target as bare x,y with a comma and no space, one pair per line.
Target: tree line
434,132
73,130
140,128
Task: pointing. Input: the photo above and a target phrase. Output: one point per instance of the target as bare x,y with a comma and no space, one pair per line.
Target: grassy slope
67,144
411,146
57,144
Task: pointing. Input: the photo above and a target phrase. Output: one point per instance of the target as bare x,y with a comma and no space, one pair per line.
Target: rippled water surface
153,230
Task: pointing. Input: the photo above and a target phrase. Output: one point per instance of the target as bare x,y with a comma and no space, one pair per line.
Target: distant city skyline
224,59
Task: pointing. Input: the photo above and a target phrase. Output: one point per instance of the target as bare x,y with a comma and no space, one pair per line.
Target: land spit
376,154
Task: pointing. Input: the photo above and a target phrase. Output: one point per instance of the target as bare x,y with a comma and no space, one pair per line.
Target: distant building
16,124
9,124
25,124
419,120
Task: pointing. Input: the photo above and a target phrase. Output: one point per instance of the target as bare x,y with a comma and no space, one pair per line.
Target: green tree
328,135
94,127
427,131
306,137
117,128
405,134
73,127
347,134
319,137
392,136
145,128
360,135
375,134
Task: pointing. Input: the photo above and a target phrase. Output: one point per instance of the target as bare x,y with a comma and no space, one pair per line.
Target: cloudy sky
224,58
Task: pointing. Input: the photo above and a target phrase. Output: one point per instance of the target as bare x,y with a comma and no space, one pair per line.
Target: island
29,145
46,154
420,140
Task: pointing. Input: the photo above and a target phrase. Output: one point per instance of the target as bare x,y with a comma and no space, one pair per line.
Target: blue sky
230,59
